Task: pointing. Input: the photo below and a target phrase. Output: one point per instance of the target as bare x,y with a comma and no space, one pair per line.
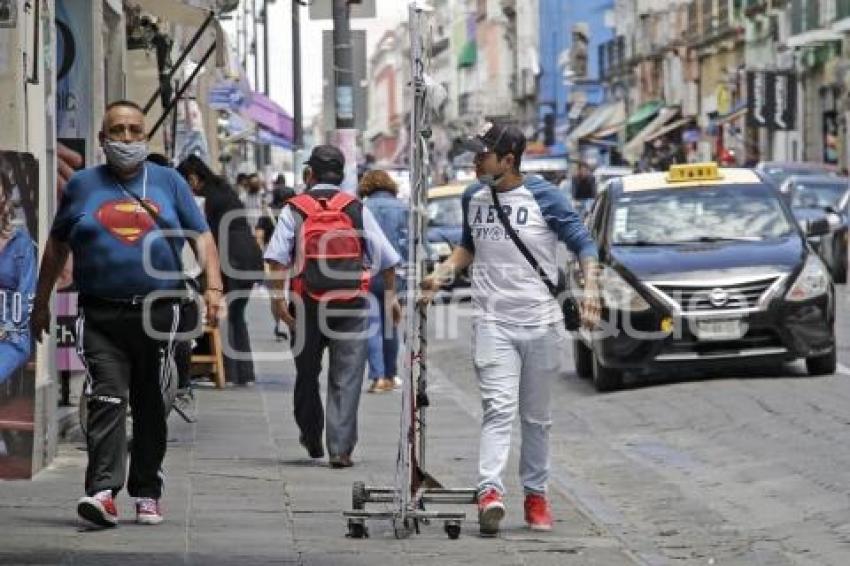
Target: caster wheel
453,530
401,530
359,496
357,529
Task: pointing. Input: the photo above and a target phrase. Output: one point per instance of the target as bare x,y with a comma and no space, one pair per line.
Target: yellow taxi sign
693,172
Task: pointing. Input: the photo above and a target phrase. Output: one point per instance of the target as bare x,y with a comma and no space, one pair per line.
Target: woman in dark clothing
242,265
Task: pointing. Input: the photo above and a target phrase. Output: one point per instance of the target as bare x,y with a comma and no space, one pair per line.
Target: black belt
135,301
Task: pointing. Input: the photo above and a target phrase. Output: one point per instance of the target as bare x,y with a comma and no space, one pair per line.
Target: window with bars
709,23
693,19
723,15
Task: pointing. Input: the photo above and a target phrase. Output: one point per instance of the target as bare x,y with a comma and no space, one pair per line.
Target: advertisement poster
73,128
73,64
18,272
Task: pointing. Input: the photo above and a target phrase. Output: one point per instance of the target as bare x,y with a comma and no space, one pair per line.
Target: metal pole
255,45
182,91
345,136
266,86
179,63
298,141
343,69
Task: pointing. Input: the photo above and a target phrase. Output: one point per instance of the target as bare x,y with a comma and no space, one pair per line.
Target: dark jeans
238,368
124,365
343,333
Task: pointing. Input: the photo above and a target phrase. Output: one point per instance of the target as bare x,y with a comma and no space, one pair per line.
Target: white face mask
125,156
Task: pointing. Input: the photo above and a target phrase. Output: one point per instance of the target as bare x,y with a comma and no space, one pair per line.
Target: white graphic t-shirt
505,288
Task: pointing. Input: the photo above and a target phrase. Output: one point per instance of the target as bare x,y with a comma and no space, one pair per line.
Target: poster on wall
73,128
8,13
73,69
18,272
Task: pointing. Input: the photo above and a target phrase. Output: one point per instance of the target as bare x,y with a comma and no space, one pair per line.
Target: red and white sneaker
98,510
148,511
491,510
538,514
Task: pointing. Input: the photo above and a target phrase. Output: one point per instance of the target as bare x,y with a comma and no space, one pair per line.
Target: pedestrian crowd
334,265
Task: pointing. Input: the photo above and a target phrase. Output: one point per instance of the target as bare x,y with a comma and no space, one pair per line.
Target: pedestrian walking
242,262
381,199
112,217
519,333
333,245
254,200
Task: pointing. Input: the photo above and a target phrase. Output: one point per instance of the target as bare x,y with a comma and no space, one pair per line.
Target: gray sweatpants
344,333
515,366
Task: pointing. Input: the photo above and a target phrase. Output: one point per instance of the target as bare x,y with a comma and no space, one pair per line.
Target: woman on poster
17,286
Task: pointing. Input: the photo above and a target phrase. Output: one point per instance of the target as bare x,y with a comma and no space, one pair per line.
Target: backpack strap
340,200
306,204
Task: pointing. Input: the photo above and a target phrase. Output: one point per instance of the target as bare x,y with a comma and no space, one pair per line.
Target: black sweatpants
125,365
238,368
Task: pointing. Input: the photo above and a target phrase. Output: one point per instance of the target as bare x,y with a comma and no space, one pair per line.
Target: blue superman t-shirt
110,233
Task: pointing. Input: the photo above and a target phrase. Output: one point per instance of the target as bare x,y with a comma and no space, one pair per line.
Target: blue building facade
557,18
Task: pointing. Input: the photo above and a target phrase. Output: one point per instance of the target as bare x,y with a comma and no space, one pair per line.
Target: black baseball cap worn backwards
501,140
326,158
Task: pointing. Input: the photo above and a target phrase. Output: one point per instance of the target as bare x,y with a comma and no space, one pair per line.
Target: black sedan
814,198
704,266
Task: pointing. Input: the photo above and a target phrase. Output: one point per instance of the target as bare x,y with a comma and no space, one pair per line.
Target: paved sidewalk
240,490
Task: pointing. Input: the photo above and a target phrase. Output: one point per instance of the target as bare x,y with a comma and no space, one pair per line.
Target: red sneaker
538,514
148,511
491,510
98,510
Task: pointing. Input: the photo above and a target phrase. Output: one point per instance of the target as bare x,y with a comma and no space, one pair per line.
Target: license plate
719,329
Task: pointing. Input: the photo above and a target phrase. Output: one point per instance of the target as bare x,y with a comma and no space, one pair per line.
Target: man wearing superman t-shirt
121,258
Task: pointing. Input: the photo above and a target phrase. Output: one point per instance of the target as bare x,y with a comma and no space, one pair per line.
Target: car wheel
822,365
605,378
583,358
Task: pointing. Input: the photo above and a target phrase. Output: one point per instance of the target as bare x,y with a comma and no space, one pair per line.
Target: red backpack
330,266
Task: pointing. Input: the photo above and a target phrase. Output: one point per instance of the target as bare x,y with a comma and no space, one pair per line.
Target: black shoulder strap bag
190,314
572,316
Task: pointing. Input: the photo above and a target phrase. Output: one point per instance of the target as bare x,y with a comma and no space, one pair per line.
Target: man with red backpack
327,246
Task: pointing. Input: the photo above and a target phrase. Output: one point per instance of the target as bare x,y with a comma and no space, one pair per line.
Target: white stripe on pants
515,367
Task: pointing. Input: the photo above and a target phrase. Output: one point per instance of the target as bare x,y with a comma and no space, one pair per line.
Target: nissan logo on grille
718,297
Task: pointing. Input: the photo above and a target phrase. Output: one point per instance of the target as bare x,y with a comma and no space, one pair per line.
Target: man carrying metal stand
518,327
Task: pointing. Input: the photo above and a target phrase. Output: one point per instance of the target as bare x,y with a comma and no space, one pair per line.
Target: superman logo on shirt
126,219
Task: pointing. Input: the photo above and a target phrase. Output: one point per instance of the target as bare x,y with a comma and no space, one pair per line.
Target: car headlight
618,294
812,282
441,249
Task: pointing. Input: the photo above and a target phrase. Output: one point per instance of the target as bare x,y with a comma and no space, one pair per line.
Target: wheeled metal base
407,523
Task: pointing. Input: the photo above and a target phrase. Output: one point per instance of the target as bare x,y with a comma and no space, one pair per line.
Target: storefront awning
468,55
603,117
268,114
644,112
668,128
739,111
812,38
634,148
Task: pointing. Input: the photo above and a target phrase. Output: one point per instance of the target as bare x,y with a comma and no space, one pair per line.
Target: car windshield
817,195
779,174
445,211
700,214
